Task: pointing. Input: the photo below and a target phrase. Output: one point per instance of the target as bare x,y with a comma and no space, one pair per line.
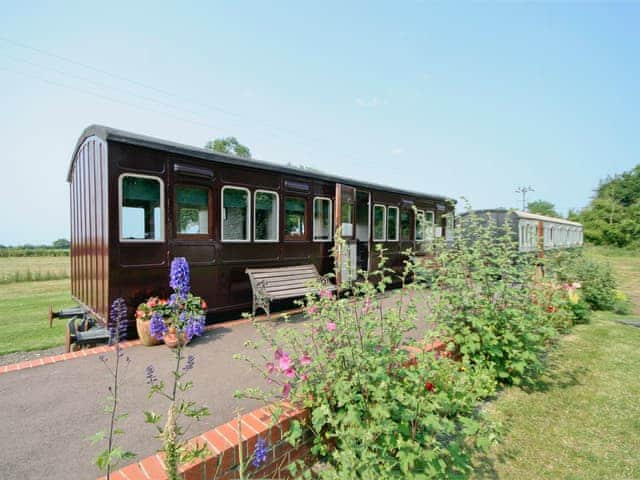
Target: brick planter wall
224,447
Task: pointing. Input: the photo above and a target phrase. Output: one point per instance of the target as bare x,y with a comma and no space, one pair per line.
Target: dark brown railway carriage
137,202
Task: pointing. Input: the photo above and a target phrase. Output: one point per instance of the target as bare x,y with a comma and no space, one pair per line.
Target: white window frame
248,221
255,197
162,209
429,232
313,221
397,239
384,226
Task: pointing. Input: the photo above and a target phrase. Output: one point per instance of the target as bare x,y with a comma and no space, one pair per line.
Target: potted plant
143,320
179,319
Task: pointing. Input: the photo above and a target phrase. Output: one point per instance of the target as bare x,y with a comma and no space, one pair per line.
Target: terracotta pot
171,338
144,333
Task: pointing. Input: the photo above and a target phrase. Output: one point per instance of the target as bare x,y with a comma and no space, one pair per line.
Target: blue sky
465,100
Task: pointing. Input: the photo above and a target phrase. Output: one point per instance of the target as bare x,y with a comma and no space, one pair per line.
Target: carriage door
363,229
192,224
345,221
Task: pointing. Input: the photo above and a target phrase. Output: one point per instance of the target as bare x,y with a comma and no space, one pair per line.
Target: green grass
23,315
24,269
582,419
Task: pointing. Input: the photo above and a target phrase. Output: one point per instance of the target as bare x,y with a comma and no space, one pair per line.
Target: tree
61,243
229,146
542,207
613,215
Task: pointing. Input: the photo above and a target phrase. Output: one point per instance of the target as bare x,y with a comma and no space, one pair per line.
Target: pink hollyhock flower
367,306
271,367
285,362
286,388
328,294
290,372
277,355
304,377
305,359
312,309
331,326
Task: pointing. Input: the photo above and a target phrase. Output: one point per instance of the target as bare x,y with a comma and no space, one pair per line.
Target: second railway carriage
137,202
536,232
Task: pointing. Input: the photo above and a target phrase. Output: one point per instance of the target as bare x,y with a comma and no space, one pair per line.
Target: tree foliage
542,207
229,146
613,216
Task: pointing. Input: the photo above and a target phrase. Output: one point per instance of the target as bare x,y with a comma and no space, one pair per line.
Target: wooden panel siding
89,227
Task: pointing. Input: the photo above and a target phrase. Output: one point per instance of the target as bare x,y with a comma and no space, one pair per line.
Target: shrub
485,301
597,280
375,412
622,304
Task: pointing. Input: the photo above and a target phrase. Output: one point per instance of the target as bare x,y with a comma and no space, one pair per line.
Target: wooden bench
281,283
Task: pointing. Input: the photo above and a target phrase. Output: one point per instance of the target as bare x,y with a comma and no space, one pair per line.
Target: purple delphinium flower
195,327
190,362
260,452
179,276
117,323
157,327
151,375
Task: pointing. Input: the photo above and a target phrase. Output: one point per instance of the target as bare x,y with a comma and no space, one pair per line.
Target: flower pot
143,333
171,338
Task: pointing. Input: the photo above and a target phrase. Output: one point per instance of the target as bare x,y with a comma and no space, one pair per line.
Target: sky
460,99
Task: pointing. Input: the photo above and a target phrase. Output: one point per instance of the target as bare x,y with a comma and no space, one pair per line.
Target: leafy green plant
376,411
596,279
485,300
113,455
622,303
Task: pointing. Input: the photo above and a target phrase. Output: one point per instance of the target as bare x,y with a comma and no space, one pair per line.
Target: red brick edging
221,463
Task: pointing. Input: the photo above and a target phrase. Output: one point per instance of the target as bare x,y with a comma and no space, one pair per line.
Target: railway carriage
534,232
137,202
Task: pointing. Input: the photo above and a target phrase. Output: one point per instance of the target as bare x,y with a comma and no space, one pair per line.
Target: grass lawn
23,315
582,419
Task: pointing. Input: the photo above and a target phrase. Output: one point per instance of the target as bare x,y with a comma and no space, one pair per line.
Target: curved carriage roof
107,133
525,215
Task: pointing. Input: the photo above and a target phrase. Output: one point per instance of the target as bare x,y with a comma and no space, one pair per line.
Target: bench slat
280,269
296,273
297,279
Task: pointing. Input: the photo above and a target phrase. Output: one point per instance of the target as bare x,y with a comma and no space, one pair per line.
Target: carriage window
141,208
235,214
266,216
392,224
192,210
295,210
405,224
322,219
379,221
424,225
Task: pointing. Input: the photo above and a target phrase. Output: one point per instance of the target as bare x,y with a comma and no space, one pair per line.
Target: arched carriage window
265,216
141,208
235,214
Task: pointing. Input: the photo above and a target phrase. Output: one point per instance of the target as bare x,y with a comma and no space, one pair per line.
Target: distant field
24,269
23,315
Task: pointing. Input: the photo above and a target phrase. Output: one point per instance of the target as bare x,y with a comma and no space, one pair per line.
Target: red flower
429,386
203,305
